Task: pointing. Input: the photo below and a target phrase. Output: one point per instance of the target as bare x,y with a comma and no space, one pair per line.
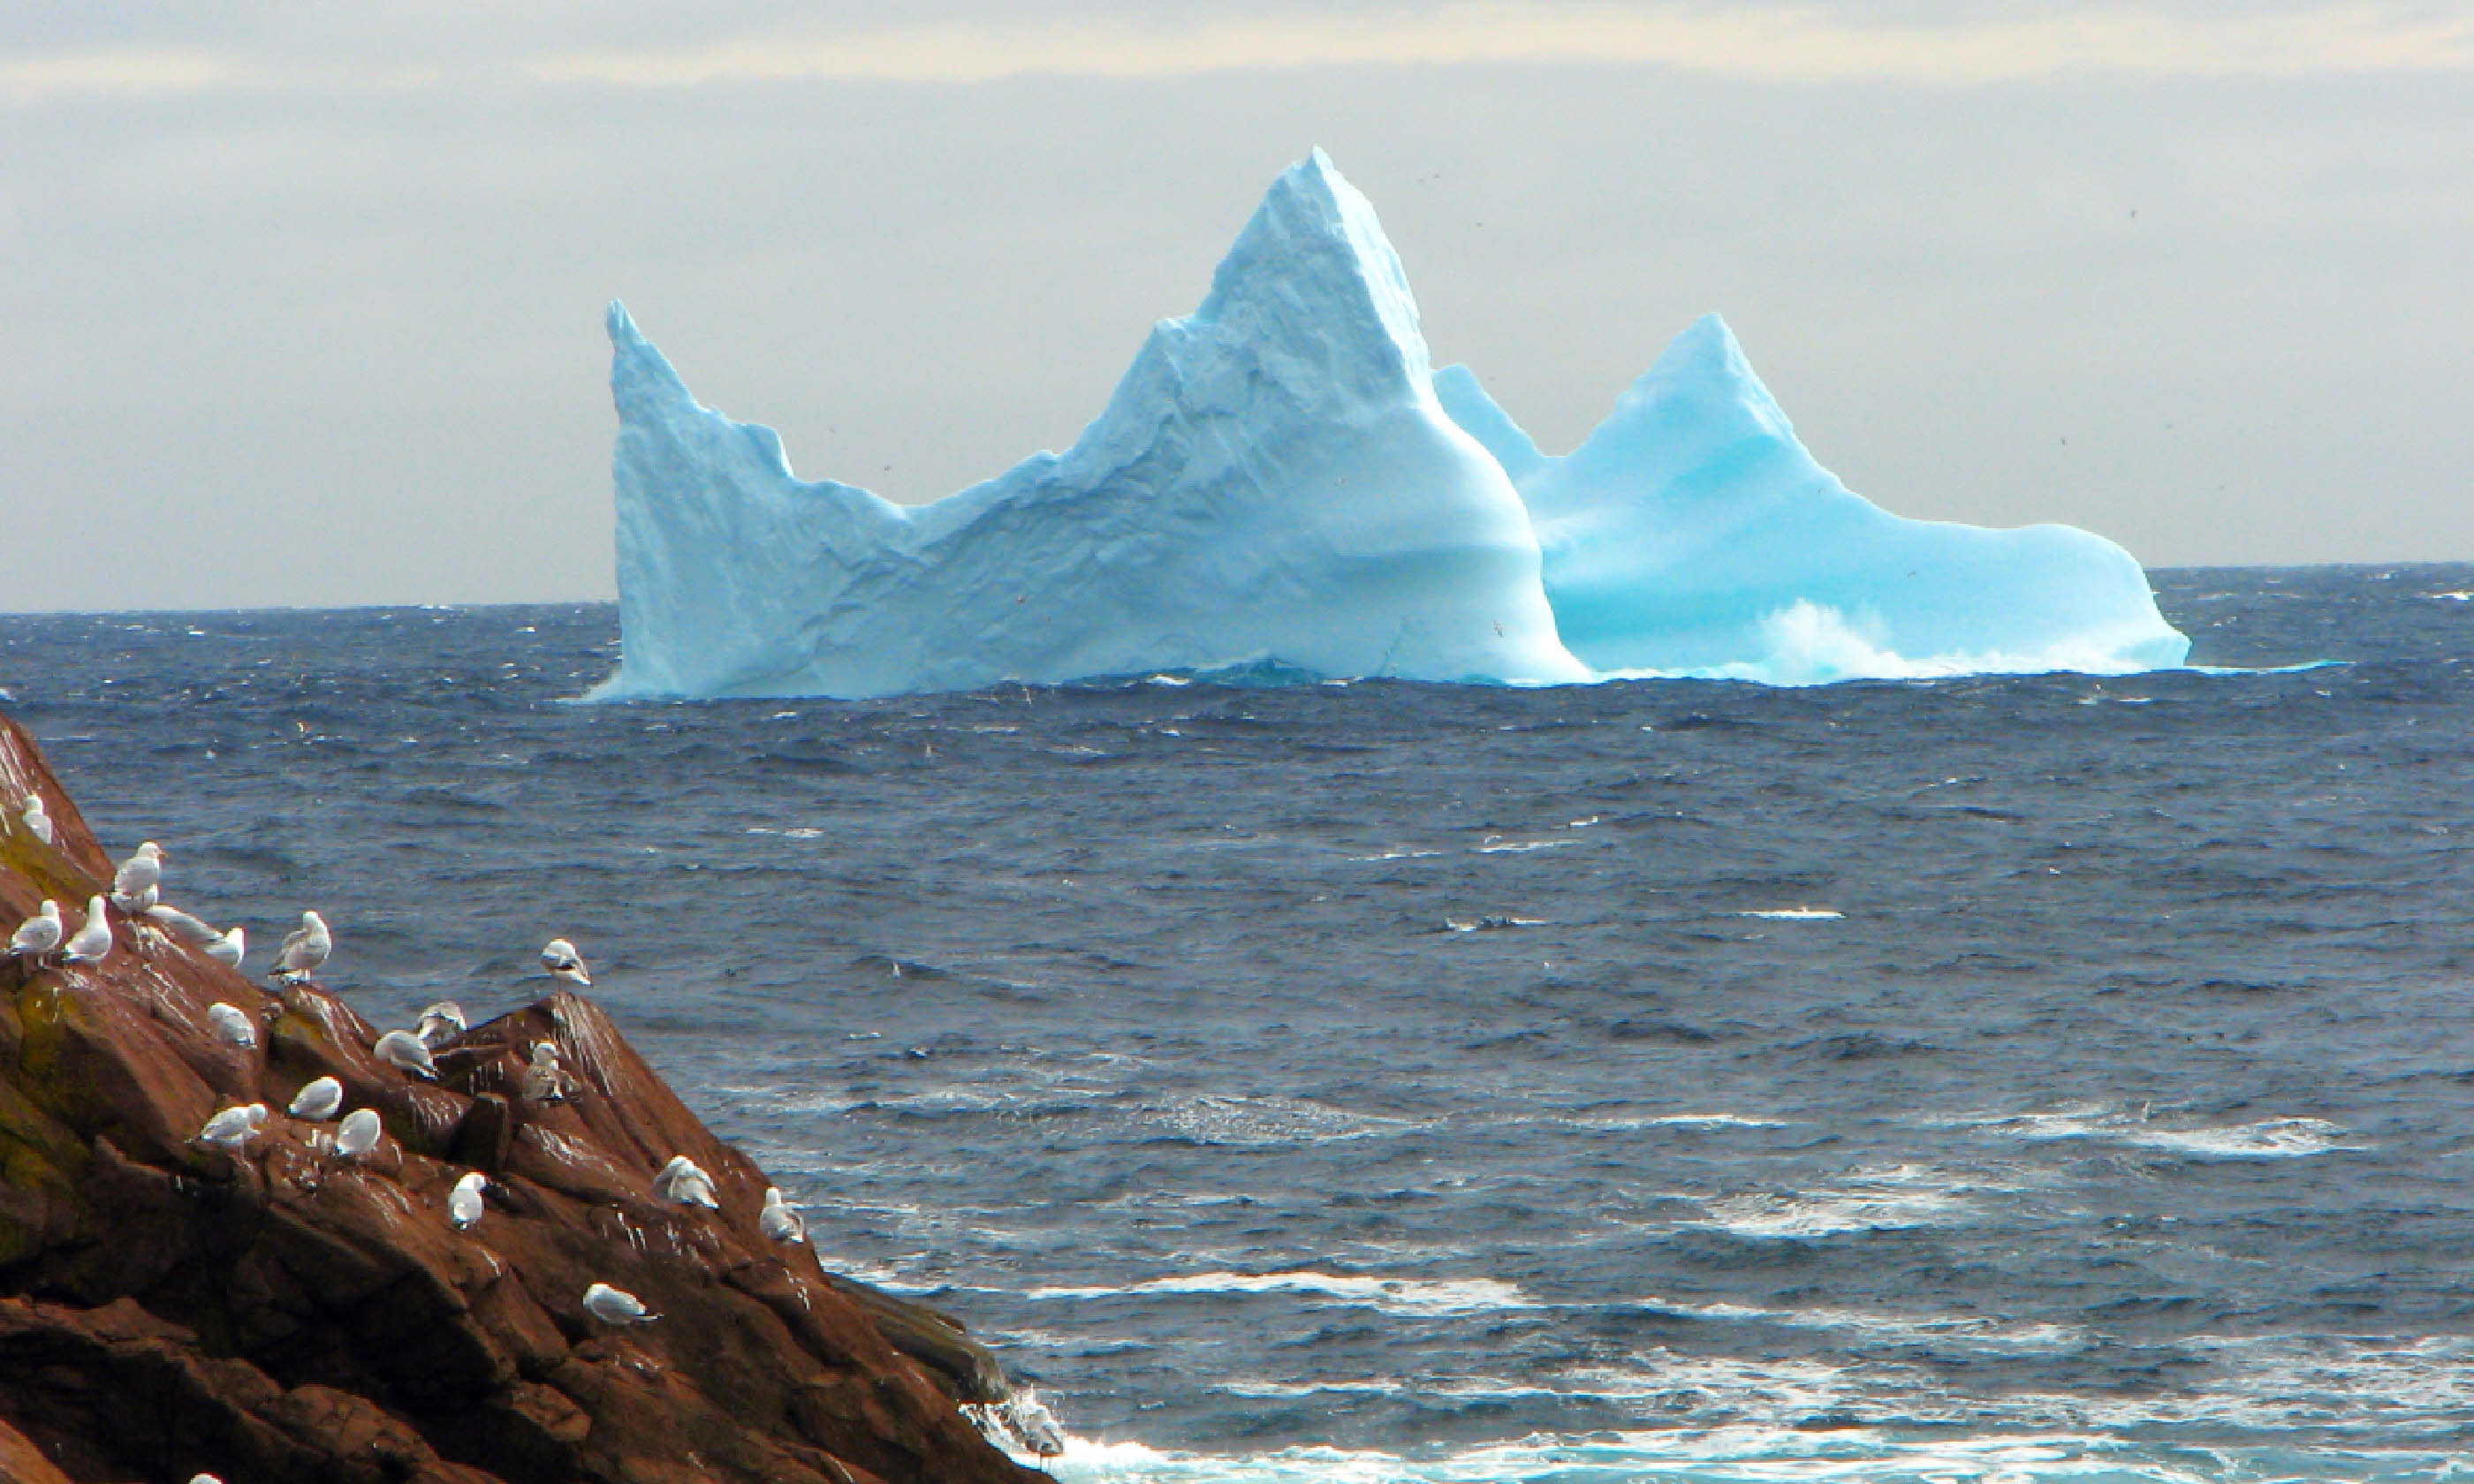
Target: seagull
318,1101
179,925
778,1220
229,1130
685,1181
136,885
91,943
305,948
36,820
544,1080
359,1134
233,1025
229,948
560,958
464,1203
38,934
440,1024
405,1052
616,1305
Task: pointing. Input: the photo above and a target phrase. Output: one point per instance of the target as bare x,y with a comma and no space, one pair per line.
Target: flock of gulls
136,892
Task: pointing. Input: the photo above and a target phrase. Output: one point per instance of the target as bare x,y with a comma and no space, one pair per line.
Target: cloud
116,73
1805,43
1783,43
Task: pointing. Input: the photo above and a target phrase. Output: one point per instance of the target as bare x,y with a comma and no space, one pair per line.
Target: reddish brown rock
286,1315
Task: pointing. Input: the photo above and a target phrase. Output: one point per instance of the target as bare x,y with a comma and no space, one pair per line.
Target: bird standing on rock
560,958
138,881
180,925
359,1134
91,943
39,935
233,1025
464,1205
405,1052
229,948
318,1101
777,1221
35,820
616,1305
229,1131
685,1181
440,1024
304,949
544,1080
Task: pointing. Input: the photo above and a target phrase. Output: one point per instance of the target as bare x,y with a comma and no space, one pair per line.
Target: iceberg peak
1312,263
1692,533
1272,482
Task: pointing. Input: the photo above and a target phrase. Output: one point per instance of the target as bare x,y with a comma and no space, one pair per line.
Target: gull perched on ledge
616,1305
39,935
91,943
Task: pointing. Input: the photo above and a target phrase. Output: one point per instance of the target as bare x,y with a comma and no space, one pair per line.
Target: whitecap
1392,1294
1796,914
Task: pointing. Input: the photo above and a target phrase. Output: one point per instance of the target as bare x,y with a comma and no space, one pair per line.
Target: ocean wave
1270,1122
2265,1139
1393,1295
1755,1455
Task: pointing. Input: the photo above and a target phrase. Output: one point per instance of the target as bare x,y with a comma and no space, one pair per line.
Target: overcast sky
305,306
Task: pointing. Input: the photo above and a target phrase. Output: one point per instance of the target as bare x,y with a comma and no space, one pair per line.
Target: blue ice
1282,480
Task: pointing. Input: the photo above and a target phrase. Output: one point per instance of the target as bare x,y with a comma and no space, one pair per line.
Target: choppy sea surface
1999,1079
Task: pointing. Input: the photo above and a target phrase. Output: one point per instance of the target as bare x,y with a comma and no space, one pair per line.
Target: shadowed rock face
286,1315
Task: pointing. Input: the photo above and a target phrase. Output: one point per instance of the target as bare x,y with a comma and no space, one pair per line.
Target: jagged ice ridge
1282,480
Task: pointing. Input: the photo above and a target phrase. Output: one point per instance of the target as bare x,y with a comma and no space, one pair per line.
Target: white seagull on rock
229,948
180,925
440,1024
685,1181
305,948
39,934
230,1129
544,1080
138,882
91,943
232,1023
358,1135
318,1101
36,820
560,958
777,1221
464,1203
616,1305
405,1052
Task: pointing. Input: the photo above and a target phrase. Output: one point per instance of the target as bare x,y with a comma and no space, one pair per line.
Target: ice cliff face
1692,533
1281,478
1273,479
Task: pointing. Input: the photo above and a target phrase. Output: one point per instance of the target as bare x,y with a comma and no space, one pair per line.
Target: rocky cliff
283,1313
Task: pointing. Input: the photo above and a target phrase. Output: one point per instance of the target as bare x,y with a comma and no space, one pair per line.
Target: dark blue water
2006,1078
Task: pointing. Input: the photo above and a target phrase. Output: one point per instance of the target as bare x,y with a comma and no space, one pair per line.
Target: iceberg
1283,481
1692,534
1273,482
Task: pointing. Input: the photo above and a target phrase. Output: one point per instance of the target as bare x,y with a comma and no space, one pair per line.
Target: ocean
1998,1079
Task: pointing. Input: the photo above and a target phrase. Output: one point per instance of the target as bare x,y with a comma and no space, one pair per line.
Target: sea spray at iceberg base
1281,482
